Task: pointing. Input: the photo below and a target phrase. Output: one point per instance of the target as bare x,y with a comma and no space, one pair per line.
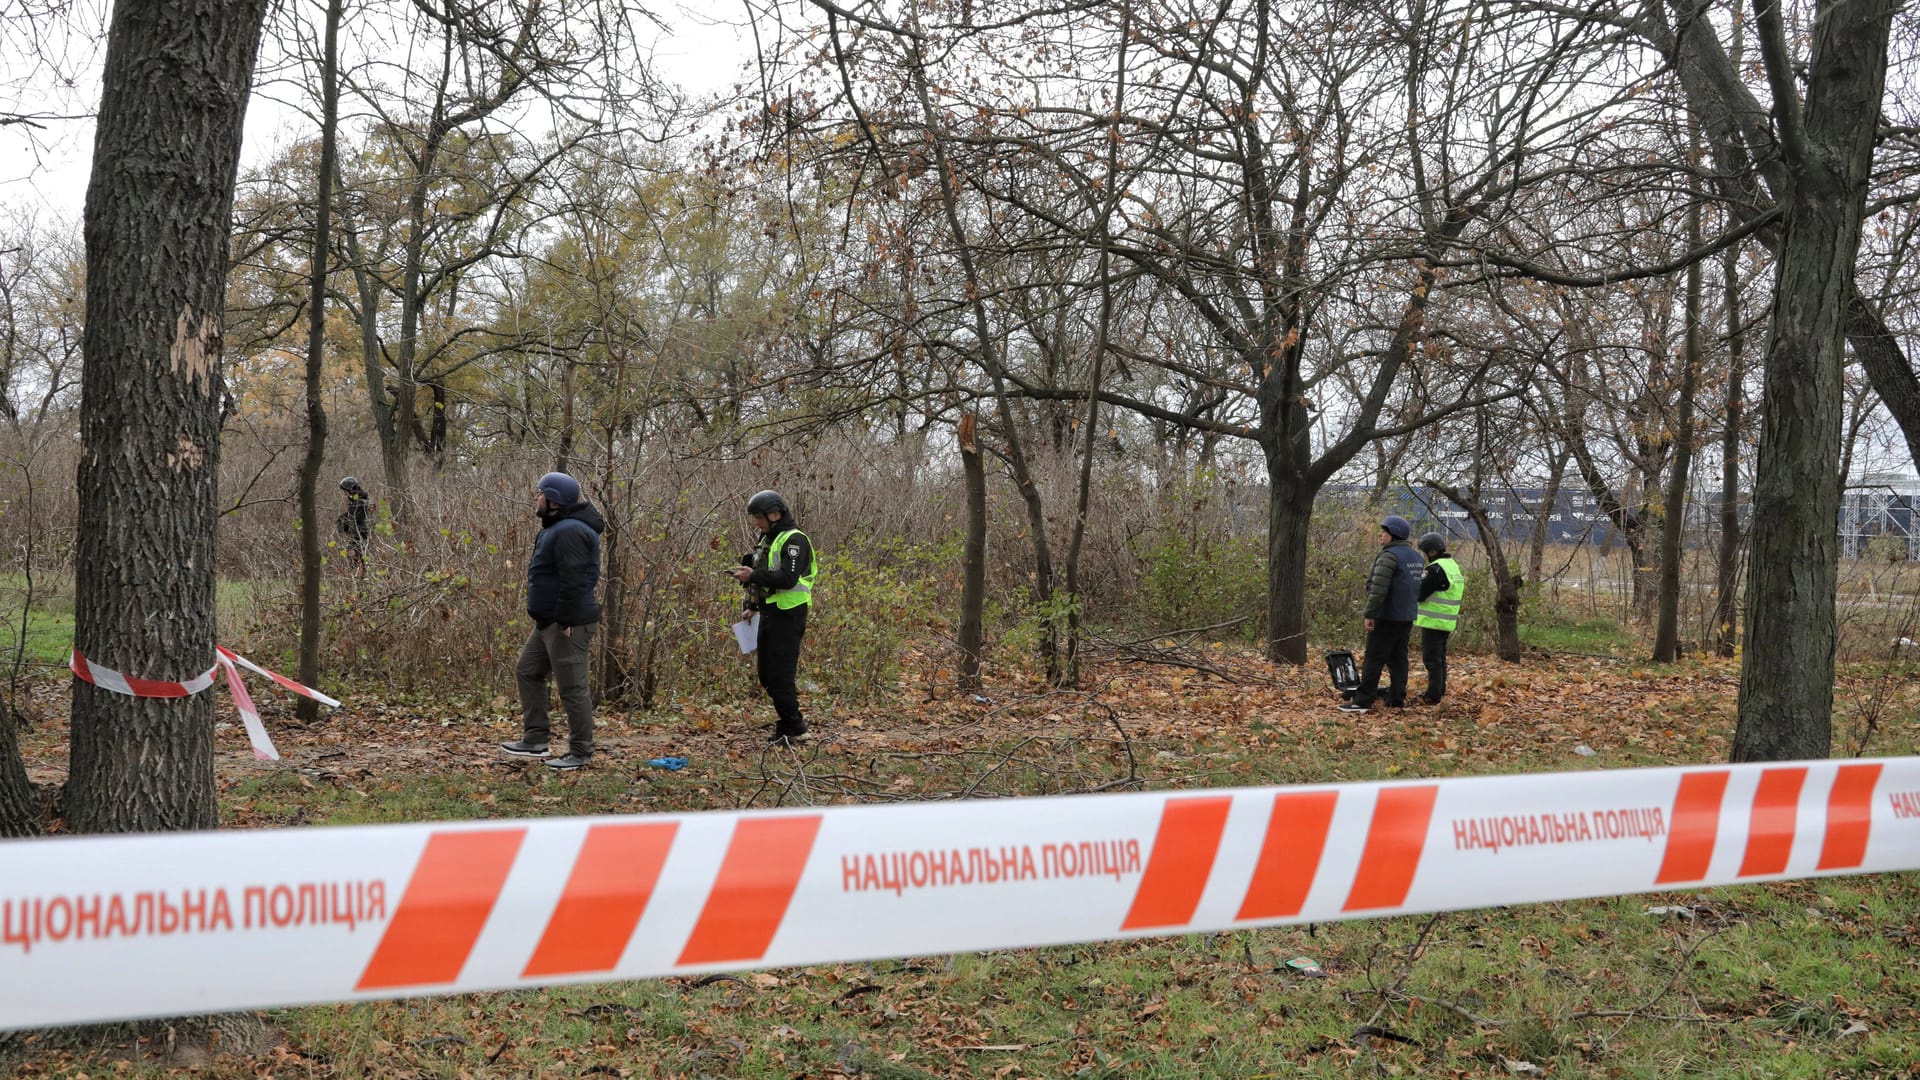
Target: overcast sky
55,79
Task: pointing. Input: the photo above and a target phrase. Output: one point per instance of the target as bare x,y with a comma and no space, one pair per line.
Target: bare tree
1673,517
322,250
1826,148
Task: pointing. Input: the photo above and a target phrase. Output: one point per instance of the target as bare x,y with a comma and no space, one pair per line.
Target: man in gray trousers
561,577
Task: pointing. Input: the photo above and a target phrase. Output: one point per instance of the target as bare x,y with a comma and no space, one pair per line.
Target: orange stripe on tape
756,883
1183,851
1290,854
1395,840
1776,809
1849,817
607,892
1696,822
446,904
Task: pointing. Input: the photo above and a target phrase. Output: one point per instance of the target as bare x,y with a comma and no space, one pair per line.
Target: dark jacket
352,521
1436,579
774,571
565,568
1393,585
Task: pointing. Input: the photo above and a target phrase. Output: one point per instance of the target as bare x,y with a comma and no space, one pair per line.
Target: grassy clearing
1556,632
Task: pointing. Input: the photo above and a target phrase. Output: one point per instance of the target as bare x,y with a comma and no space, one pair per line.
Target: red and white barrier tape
109,928
224,659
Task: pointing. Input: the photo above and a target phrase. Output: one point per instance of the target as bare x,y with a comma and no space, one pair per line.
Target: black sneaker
782,738
523,748
568,763
1351,707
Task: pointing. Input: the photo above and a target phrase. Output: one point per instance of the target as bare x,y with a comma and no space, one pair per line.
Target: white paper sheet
747,633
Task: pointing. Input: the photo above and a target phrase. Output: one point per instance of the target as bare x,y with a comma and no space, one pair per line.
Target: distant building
1885,504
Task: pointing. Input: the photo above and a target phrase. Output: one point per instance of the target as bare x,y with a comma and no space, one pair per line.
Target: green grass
1556,632
287,797
1798,979
1786,981
48,619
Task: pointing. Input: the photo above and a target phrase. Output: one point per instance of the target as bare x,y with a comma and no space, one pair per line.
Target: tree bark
1289,517
159,200
1550,506
1506,583
310,527
1666,636
19,808
973,563
1726,612
1786,672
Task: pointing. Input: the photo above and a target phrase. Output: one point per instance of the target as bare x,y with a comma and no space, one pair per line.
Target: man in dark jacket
778,577
352,522
1393,599
561,576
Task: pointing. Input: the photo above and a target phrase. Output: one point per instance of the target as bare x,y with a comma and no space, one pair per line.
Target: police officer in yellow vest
1440,592
779,577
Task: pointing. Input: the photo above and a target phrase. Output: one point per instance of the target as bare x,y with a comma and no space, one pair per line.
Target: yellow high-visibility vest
802,591
1441,611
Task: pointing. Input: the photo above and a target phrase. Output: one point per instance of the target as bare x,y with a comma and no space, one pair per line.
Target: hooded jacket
564,569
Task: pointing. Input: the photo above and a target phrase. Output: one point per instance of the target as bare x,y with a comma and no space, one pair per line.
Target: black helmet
1433,544
349,483
767,503
560,489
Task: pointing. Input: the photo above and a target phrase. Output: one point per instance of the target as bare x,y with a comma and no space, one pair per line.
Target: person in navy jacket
1393,599
562,574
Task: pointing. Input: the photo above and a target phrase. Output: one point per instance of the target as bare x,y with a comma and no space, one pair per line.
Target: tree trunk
616,651
616,666
19,808
393,445
166,149
1666,637
1506,583
308,709
1543,523
1726,617
1289,515
990,359
1786,673
973,564
567,391
1506,611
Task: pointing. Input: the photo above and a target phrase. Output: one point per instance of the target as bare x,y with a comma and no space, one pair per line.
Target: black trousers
1433,653
1386,647
779,653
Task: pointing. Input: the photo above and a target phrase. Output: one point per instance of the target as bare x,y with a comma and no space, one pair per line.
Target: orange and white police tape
108,928
223,659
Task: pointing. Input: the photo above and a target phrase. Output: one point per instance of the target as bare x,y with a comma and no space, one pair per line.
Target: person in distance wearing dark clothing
1393,598
353,524
562,574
